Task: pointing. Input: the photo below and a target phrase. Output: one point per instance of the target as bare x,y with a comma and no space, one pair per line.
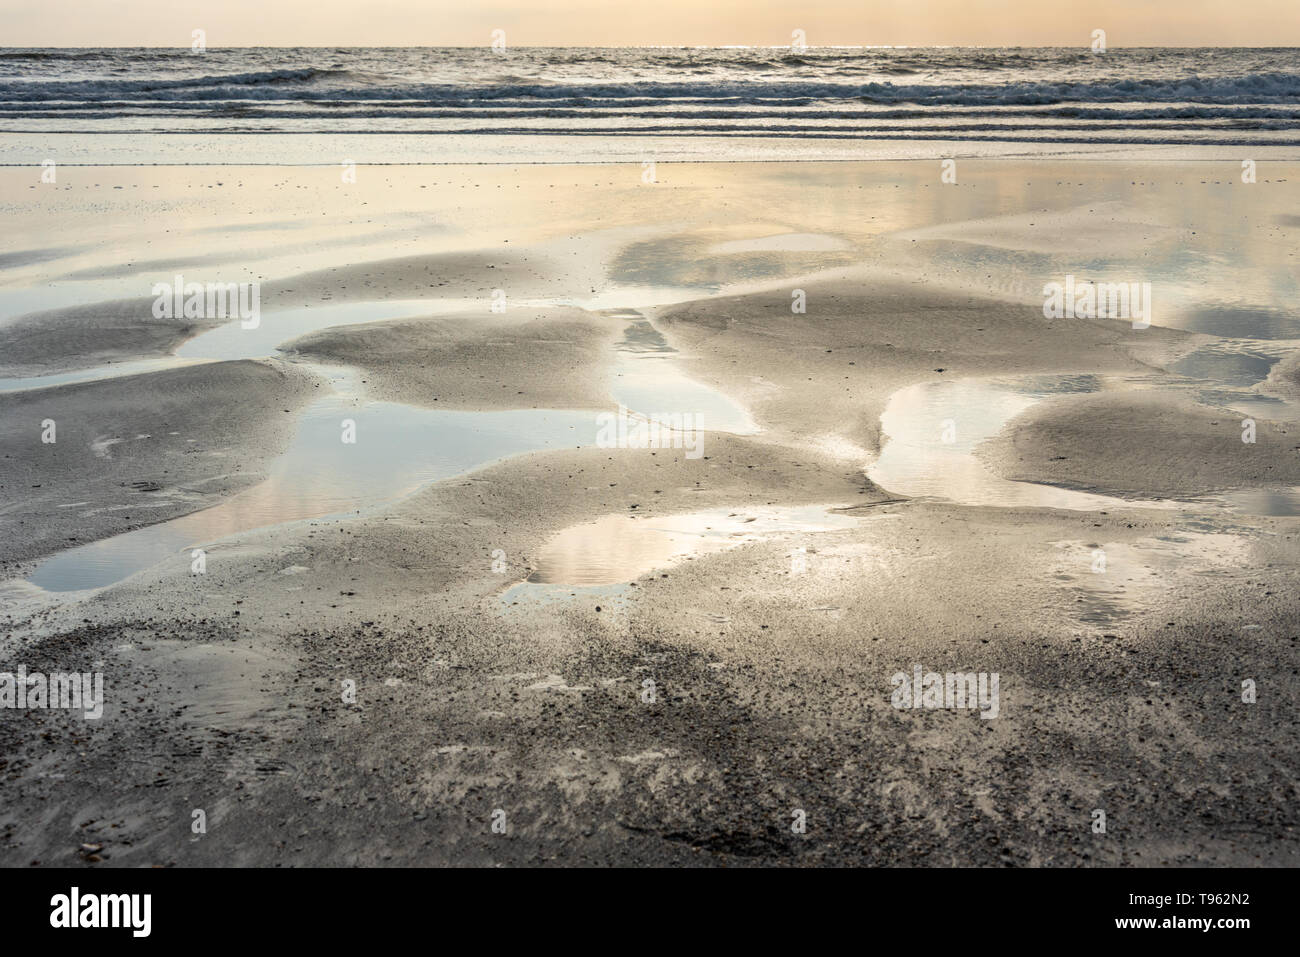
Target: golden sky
648,22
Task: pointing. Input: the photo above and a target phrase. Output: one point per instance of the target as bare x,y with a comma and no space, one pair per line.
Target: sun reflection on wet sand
619,548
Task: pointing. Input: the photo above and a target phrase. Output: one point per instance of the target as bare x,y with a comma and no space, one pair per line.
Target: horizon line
667,46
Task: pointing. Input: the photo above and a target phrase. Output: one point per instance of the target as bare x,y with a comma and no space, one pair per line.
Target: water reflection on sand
619,548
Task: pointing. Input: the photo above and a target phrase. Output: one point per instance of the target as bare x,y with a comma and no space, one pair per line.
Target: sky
170,23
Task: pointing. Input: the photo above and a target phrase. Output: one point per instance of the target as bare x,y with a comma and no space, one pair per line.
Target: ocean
1202,97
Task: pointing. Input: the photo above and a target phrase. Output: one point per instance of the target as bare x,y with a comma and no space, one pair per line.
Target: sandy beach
479,609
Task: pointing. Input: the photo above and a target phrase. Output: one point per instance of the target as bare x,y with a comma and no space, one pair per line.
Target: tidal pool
932,429
647,380
398,449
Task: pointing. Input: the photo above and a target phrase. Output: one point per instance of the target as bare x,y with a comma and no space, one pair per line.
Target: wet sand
443,359
138,450
831,370
682,709
1149,444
